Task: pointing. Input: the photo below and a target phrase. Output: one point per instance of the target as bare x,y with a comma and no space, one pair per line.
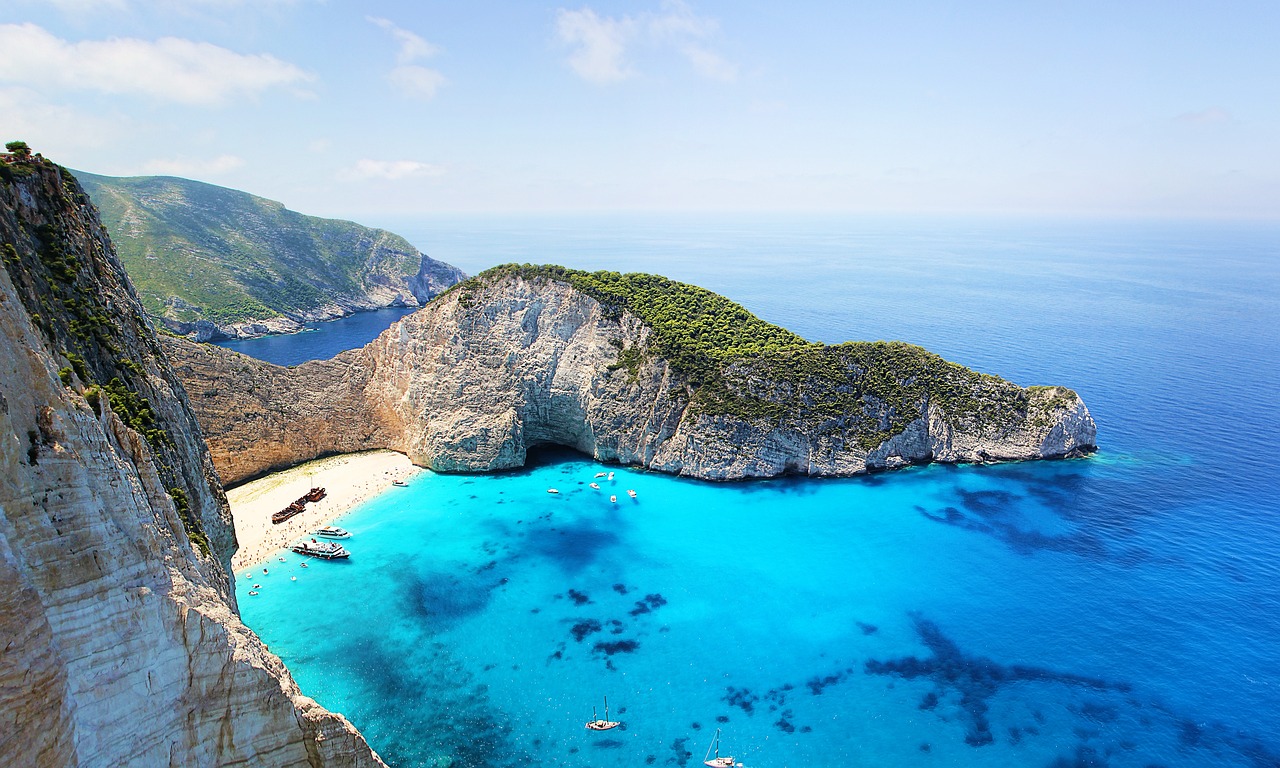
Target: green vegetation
200,252
18,150
194,531
741,366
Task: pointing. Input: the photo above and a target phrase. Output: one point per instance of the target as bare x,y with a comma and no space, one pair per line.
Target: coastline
348,479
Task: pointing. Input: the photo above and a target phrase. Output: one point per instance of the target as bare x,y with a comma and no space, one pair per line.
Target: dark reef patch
650,603
579,598
741,698
612,647
583,628
682,754
975,678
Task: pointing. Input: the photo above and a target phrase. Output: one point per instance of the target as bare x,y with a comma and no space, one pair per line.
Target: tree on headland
18,150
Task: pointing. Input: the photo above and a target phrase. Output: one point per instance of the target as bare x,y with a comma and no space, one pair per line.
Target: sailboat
596,724
718,761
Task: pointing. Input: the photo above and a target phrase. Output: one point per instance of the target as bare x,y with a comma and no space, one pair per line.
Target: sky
1162,108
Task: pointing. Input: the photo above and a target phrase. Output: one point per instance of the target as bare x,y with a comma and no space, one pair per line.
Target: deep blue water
1120,610
319,341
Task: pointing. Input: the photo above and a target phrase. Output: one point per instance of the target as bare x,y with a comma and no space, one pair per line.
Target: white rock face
475,379
122,646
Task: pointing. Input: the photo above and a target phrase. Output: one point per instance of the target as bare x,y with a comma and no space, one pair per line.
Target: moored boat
333,532
631,493
400,483
326,550
602,724
717,761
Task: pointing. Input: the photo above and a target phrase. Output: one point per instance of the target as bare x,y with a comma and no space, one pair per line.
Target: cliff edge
635,369
122,641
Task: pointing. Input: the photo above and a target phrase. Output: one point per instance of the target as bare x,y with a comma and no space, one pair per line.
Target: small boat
302,565
717,761
610,475
596,724
327,550
252,593
332,532
595,485
293,578
601,474
552,490
631,493
613,499
400,483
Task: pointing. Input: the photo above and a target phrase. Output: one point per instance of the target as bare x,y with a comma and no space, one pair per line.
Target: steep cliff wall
522,357
122,642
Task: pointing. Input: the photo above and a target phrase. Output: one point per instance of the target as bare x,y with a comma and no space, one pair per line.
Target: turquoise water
1120,610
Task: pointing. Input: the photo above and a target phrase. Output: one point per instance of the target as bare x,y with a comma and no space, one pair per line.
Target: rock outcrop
214,263
516,359
122,643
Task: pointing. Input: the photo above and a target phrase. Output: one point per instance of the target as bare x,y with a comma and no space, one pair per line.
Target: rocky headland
633,369
122,640
214,263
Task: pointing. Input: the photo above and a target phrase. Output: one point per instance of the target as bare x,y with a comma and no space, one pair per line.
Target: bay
1118,610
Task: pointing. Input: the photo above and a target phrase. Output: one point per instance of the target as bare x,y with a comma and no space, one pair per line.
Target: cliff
122,641
634,369
214,263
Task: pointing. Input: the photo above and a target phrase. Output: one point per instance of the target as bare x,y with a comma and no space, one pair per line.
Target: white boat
400,483
597,724
717,761
610,475
332,532
613,499
601,474
595,485
631,493
327,550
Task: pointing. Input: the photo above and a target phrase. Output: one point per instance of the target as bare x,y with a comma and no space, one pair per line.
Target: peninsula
634,369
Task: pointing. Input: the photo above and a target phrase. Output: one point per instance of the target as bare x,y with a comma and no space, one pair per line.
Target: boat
613,499
296,508
315,494
400,483
610,475
717,761
595,485
333,532
326,550
596,724
601,474
552,490
631,493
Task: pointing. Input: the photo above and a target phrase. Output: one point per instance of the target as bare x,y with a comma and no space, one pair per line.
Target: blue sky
403,108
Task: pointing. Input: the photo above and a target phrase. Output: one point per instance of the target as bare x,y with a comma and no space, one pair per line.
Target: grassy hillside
198,251
739,365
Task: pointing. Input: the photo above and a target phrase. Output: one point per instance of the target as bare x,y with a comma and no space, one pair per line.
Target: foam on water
1120,610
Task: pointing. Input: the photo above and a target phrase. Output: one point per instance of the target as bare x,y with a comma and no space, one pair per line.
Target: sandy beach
349,480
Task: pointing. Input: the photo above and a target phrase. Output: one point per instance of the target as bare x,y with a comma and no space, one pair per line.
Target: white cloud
171,68
410,78
189,167
392,170
601,43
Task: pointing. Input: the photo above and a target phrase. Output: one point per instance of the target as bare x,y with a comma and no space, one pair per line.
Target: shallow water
1119,610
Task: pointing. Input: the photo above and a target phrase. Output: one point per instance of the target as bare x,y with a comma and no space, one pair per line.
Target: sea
1117,610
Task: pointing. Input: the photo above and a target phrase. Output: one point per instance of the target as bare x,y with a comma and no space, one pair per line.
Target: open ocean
1118,610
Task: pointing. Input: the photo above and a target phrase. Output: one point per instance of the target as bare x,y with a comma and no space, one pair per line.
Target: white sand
349,479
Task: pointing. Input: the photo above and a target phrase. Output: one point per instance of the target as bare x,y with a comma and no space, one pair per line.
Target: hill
217,262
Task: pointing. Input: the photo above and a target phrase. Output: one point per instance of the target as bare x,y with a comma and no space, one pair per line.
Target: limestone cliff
521,357
122,644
